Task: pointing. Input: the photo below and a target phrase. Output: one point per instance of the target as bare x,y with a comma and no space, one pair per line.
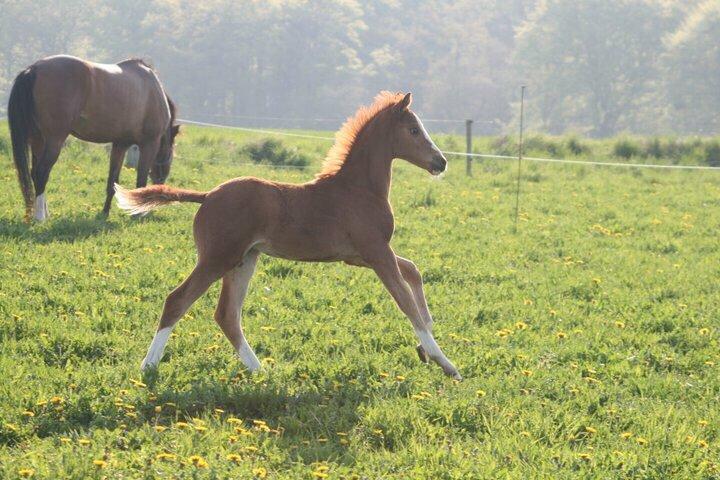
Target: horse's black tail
21,107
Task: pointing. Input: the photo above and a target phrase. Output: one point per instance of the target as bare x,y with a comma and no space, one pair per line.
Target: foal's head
160,169
411,141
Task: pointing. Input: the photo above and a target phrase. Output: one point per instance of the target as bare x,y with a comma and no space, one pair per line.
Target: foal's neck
369,162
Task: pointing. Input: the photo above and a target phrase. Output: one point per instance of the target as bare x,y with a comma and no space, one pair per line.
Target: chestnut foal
342,215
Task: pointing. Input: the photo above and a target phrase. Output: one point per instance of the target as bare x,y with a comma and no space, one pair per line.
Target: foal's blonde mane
347,135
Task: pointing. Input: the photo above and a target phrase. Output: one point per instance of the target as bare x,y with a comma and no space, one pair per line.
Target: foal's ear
174,130
405,102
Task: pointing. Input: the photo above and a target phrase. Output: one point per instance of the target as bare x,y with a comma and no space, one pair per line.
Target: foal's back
314,221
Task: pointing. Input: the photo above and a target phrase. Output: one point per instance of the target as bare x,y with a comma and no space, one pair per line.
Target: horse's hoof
422,354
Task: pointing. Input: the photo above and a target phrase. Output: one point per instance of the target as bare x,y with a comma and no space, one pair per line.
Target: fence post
520,155
468,147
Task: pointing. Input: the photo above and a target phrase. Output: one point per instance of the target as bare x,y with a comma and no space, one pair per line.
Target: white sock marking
433,350
247,356
157,347
41,211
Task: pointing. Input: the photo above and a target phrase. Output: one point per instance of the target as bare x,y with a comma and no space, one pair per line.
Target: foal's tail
21,117
142,200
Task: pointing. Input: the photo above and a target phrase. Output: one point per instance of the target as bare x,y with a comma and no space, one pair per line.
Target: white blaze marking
41,211
425,133
247,356
157,347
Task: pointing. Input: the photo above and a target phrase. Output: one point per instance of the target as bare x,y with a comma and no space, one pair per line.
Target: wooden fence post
468,147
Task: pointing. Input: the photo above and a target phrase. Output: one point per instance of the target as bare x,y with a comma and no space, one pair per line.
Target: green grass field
588,340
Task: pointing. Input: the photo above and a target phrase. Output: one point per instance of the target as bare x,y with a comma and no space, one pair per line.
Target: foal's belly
307,252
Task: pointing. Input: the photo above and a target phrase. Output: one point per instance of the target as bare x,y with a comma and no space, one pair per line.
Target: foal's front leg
412,276
386,266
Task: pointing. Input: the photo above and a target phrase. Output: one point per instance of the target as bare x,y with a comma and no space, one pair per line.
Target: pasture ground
588,340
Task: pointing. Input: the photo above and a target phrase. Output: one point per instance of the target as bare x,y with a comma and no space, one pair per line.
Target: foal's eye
414,131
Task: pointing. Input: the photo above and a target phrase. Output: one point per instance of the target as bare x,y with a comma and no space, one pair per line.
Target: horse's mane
173,109
139,60
347,135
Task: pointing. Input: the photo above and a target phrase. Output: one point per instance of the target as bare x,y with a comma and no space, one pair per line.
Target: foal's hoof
422,354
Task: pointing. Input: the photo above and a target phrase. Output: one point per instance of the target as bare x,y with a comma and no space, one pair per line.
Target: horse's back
100,102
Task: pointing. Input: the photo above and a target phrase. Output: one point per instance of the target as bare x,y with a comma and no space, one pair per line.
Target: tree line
596,67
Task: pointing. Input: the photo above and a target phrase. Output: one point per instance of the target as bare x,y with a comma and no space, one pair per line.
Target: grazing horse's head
411,141
160,170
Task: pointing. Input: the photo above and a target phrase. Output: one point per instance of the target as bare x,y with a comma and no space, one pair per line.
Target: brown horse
343,215
123,104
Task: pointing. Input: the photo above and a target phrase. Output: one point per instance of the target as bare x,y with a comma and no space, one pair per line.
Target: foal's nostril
439,163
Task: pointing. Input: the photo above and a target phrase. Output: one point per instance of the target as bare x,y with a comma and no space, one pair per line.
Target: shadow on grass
309,418
63,229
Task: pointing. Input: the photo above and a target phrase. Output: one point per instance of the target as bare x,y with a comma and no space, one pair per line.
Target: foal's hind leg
229,309
40,173
176,304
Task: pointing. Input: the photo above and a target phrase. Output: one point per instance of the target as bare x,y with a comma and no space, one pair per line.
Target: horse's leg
117,155
385,264
40,173
148,152
176,304
229,309
412,276
37,146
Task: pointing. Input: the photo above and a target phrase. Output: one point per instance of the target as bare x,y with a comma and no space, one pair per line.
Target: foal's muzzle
438,164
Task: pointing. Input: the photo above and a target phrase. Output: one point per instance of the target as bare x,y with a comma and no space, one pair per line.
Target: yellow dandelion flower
158,409
590,430
585,456
259,472
525,433
618,453
343,441
399,378
703,423
137,383
250,448
620,324
561,335
527,373
200,428
84,442
704,331
504,332
181,425
41,403
165,457
626,435
702,444
234,421
384,374
377,431
198,461
56,400
527,301
259,422
641,441
709,363
521,325
100,463
553,313
219,411
28,413
232,439
318,474
159,428
26,472
322,440
65,440
234,457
